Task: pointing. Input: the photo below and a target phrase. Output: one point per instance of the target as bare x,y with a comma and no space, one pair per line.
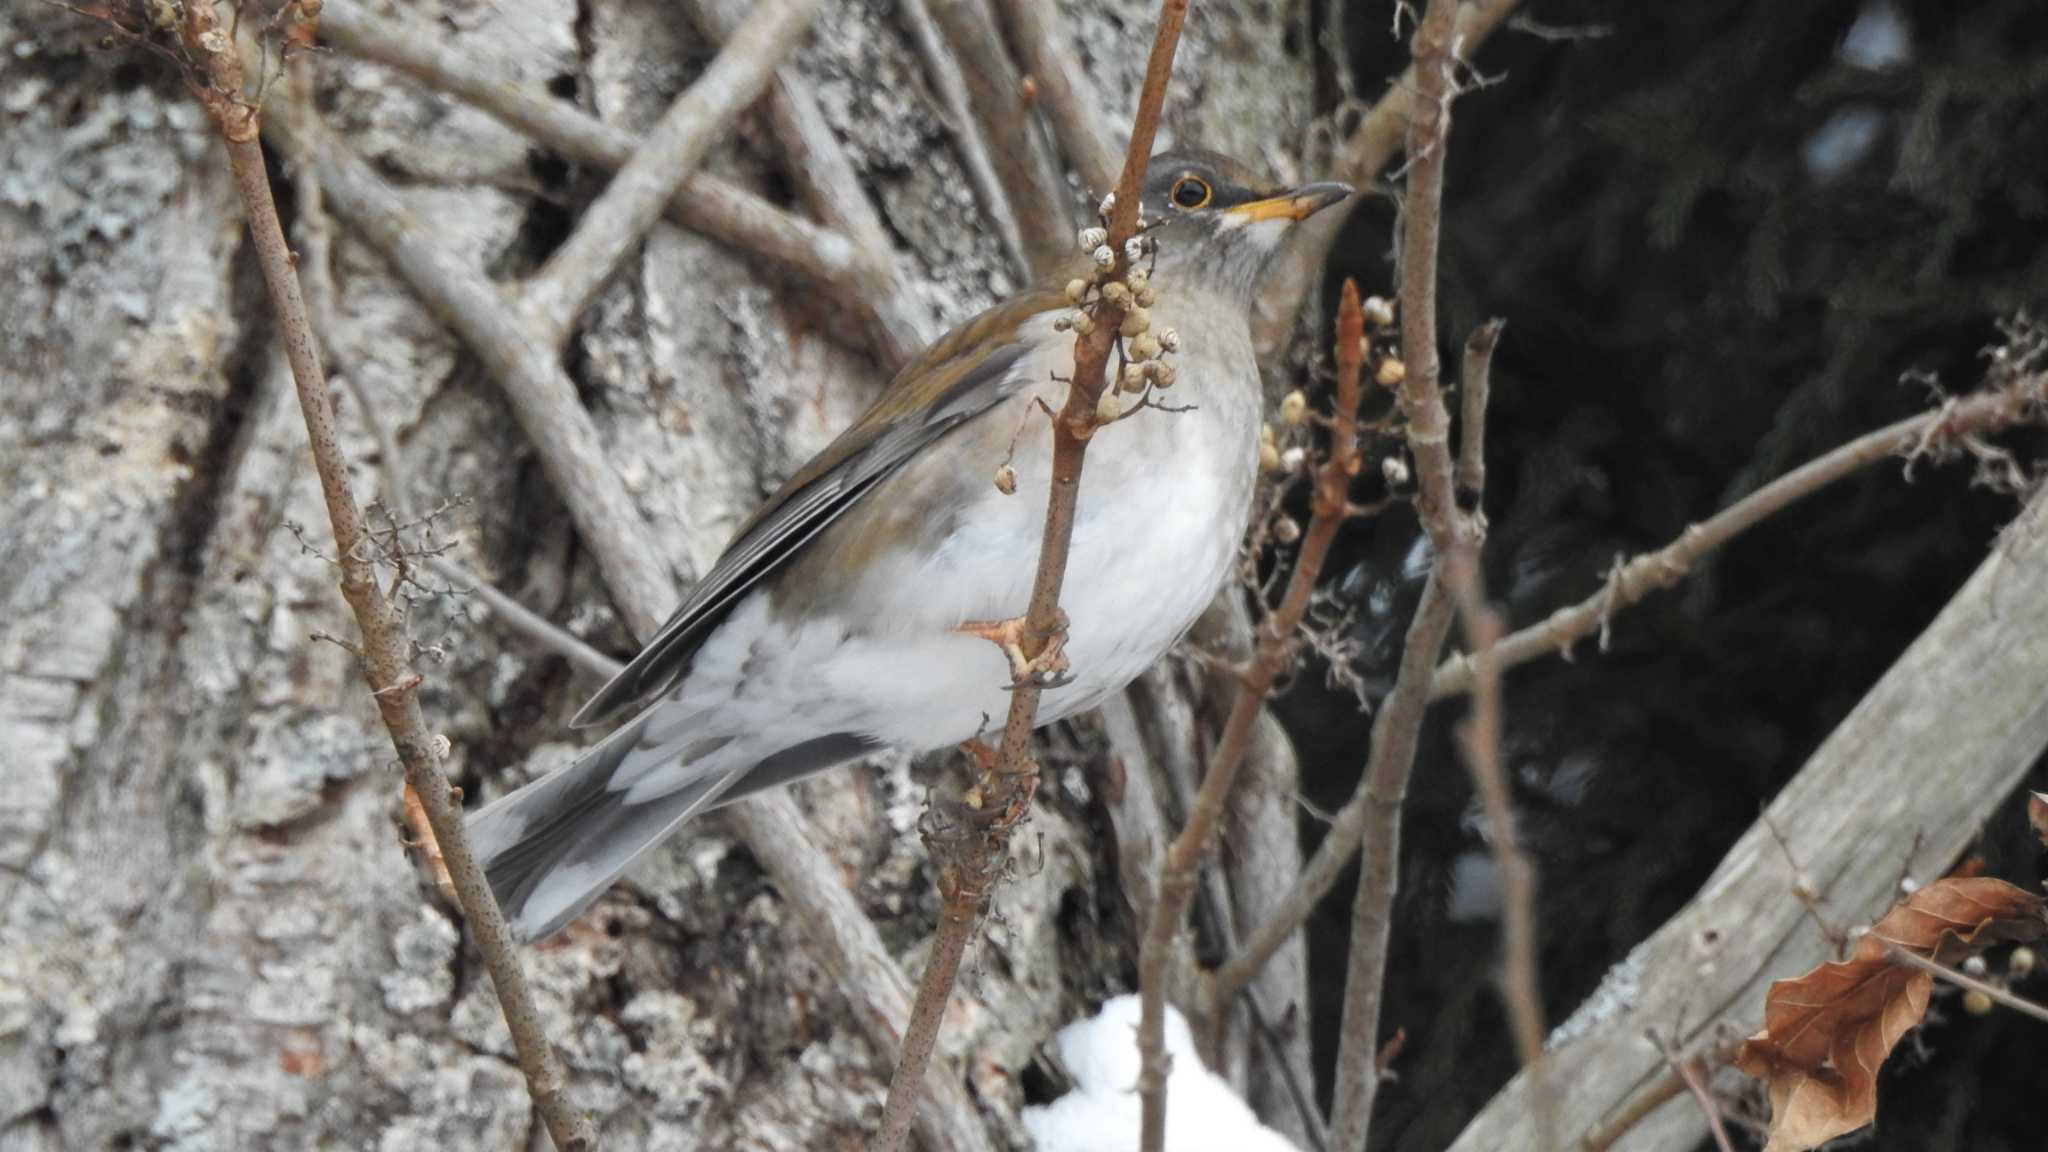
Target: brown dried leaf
2037,815
1826,1033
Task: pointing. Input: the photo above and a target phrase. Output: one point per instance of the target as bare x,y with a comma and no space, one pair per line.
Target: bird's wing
965,373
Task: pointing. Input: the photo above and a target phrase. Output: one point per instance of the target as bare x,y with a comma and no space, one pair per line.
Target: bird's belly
1150,549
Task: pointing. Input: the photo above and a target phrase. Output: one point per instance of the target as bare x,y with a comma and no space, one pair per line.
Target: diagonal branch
819,168
394,686
707,203
1934,432
615,224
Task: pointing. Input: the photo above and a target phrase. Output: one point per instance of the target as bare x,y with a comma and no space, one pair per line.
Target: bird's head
1217,224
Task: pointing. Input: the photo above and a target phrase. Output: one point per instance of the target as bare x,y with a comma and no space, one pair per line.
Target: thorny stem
394,686
1450,531
969,863
1273,654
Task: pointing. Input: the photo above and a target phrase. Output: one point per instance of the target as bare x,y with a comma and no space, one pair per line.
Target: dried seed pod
1390,373
1093,238
1082,323
1134,378
1145,347
1286,529
1136,321
1394,471
1077,291
1116,294
1294,408
1292,459
1006,480
1107,409
1269,458
1163,374
1378,312
1103,257
1169,339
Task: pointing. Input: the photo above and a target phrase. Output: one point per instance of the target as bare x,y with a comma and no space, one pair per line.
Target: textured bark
210,936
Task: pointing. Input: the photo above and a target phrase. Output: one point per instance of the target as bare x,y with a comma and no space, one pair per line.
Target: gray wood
1930,752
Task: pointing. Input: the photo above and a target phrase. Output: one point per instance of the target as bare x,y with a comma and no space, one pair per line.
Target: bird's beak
1293,204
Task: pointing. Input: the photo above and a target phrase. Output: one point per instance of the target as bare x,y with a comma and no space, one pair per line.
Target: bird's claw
1047,669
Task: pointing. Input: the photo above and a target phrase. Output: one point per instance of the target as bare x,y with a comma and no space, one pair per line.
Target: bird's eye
1191,192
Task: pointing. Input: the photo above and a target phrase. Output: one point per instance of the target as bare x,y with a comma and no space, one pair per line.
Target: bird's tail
553,847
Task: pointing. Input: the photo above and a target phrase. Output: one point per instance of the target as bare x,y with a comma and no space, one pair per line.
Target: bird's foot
1047,669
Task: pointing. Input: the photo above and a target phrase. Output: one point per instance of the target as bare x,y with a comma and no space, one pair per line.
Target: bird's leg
1048,669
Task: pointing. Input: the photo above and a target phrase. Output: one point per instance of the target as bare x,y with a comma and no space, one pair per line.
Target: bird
853,611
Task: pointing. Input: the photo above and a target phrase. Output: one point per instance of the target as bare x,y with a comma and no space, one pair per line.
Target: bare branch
393,685
968,864
1929,433
1475,382
826,179
1968,983
1049,63
707,203
556,295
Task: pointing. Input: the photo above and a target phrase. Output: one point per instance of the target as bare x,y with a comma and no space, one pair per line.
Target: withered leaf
1826,1033
2037,815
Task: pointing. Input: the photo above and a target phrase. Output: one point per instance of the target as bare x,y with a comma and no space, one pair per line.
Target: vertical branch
1450,531
967,866
1001,210
1521,987
1274,653
393,684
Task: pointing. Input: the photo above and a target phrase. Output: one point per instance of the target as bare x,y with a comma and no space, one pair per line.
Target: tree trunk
213,937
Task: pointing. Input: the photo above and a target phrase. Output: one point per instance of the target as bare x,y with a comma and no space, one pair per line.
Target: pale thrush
847,614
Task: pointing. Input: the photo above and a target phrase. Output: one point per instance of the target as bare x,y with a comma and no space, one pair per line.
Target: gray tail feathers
553,847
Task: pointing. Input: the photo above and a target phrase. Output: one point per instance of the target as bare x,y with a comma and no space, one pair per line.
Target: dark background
1720,233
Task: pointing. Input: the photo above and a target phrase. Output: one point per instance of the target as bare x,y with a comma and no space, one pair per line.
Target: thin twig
1378,137
1272,656
707,203
1690,1072
1930,432
1475,382
2020,1004
1521,986
1049,62
947,78
1637,1108
1451,532
393,684
968,865
1038,197
615,224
